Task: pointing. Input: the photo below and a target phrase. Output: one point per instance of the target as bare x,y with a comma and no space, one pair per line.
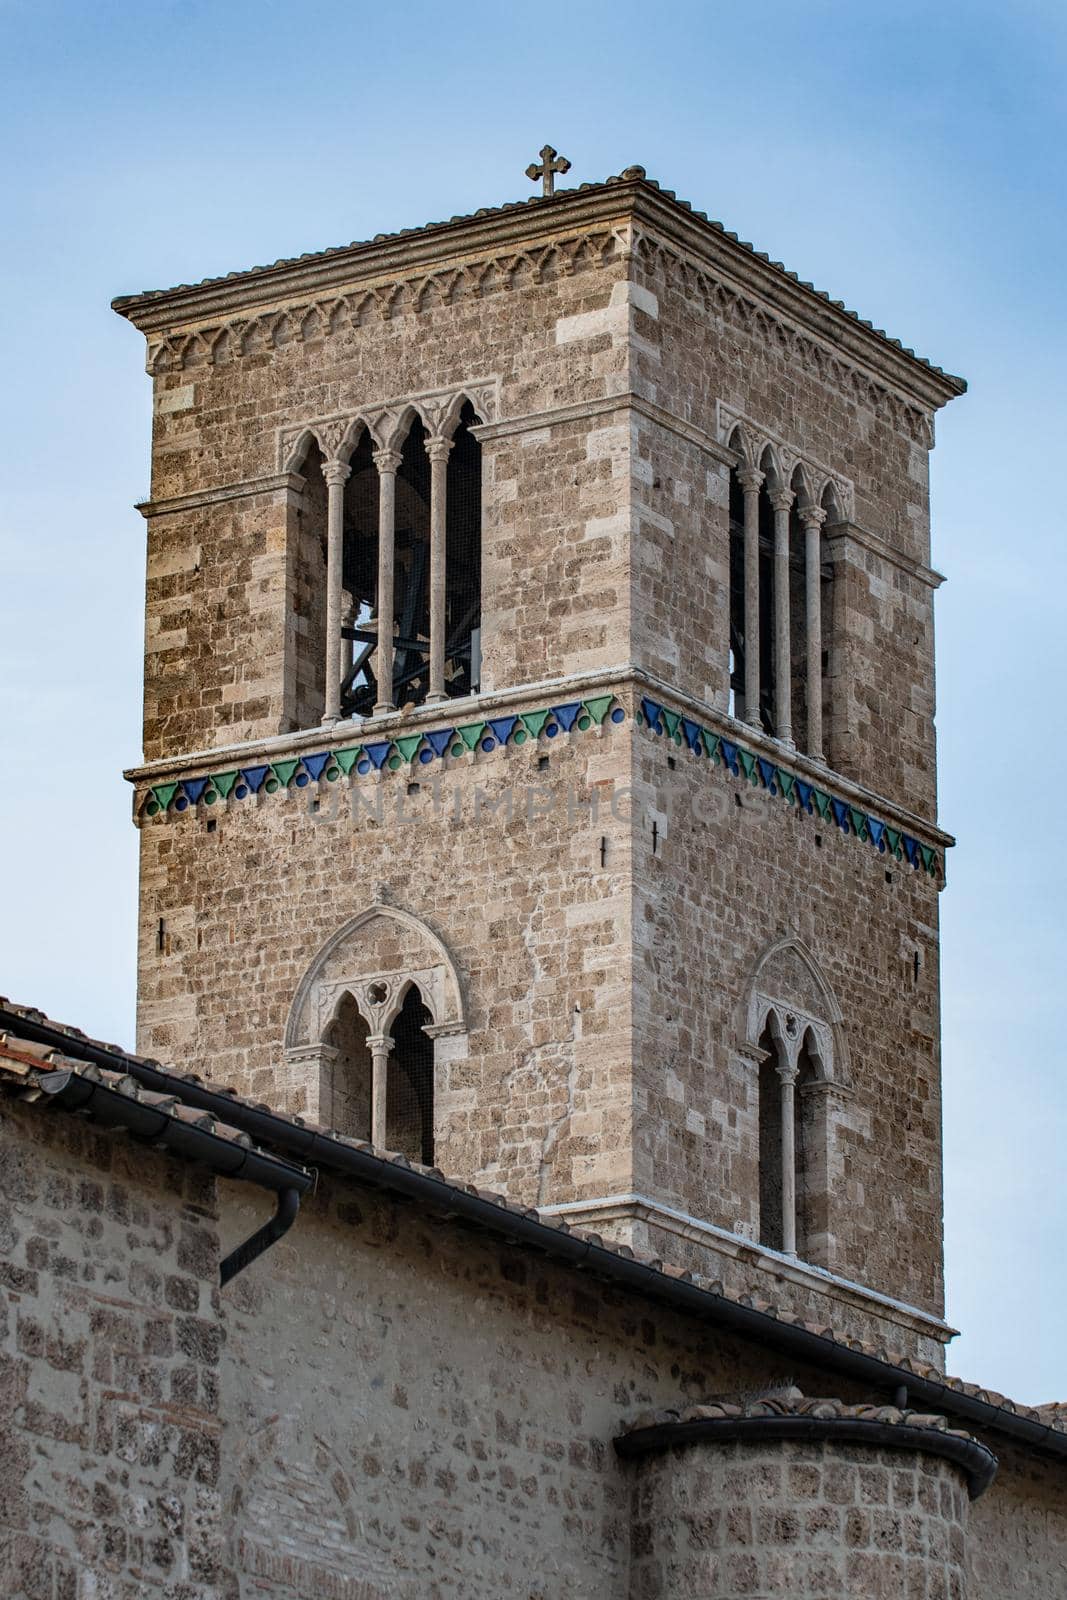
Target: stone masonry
387,1404
110,1359
621,906
610,912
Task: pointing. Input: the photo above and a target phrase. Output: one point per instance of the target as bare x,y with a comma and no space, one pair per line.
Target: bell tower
539,768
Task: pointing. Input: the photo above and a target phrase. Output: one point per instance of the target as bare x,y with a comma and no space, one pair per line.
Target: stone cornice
270,483
752,272
816,772
608,405
592,1213
618,212
623,680
842,533
418,251
791,1417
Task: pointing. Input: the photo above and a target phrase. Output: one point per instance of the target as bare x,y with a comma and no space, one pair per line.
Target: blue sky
908,159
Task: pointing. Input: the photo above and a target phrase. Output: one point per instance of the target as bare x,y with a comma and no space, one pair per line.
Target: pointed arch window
384,570
794,1035
795,1073
372,1040
463,577
410,531
780,599
345,1099
771,1153
380,1086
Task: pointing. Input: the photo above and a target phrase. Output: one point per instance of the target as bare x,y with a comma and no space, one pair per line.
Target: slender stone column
380,1045
438,448
782,501
787,1077
388,464
751,480
813,518
336,474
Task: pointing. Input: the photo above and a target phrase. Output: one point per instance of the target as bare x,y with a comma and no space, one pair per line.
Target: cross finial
547,168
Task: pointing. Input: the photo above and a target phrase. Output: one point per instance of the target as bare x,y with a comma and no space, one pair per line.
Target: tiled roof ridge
628,175
40,1060
1053,1417
795,1404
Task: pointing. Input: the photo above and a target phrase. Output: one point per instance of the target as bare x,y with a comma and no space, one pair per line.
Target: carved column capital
812,516
387,460
438,447
379,1043
336,473
782,499
750,479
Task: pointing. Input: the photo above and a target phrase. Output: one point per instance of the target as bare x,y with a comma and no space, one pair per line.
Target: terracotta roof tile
792,1403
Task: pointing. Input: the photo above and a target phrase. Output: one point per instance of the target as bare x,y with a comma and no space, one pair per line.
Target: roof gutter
222,1156
976,1461
312,1148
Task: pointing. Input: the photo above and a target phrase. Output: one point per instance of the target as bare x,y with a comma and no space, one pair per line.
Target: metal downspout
260,1241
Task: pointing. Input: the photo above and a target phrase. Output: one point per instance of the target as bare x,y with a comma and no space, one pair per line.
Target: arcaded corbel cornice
387,420
463,242
628,211
662,218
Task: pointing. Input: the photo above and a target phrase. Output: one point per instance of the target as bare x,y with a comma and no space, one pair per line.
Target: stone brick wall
732,870
443,1407
605,1055
1017,1542
110,1367
699,350
812,1520
536,923
605,977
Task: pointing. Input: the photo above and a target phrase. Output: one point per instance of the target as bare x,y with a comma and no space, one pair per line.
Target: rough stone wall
723,882
553,550
387,1404
110,1367
693,354
1017,1543
812,1521
536,923
443,1407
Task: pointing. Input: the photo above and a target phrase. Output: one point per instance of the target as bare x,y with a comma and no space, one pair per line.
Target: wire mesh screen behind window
409,1097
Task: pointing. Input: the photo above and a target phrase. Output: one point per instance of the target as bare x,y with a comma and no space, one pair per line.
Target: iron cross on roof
547,168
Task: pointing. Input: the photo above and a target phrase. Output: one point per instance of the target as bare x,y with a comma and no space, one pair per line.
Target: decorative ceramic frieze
780,783
409,751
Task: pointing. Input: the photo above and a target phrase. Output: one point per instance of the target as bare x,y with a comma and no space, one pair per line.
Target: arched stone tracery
779,583
401,541
793,1031
375,1025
